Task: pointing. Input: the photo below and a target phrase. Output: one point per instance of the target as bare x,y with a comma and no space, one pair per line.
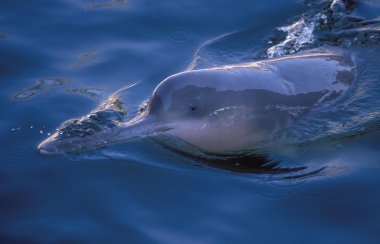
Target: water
61,59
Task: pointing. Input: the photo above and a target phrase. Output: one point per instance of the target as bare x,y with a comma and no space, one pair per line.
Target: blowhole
193,108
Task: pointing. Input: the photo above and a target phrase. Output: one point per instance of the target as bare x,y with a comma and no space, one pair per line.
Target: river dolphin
225,108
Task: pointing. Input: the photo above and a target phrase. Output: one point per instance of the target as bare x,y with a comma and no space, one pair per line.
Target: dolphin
224,109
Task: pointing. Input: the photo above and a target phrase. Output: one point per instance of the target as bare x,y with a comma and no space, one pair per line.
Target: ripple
319,187
179,35
124,79
18,151
87,54
273,191
40,86
94,93
86,58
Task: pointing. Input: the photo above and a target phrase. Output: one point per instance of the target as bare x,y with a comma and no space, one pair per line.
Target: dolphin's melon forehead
233,78
288,75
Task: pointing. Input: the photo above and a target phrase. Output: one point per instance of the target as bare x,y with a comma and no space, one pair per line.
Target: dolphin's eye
193,108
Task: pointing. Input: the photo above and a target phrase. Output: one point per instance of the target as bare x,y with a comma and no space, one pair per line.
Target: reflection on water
98,94
41,86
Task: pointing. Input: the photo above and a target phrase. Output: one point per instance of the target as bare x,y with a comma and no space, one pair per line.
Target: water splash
330,25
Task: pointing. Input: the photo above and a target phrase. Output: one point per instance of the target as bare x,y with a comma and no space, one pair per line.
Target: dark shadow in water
3,37
246,163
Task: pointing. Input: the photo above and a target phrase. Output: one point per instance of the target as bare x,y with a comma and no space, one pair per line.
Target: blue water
60,59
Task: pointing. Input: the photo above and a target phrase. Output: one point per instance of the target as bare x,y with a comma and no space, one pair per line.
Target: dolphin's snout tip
46,150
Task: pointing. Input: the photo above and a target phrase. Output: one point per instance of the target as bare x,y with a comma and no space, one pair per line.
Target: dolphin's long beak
118,134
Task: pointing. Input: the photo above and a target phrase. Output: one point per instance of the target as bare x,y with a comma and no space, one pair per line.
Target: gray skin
223,109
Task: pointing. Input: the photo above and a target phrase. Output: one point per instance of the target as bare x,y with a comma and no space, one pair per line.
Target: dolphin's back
324,73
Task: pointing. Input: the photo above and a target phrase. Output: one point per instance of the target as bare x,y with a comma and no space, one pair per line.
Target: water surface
61,59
